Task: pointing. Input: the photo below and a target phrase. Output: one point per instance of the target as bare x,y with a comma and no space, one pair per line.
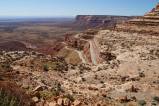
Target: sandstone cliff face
153,12
80,45
86,52
100,20
150,18
149,23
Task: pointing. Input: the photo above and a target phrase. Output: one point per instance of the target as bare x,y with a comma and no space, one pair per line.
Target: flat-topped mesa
98,21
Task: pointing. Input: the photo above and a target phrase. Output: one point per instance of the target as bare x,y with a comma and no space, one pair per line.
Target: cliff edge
100,20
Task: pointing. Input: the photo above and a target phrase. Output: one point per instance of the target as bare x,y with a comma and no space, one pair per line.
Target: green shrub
8,100
45,95
70,97
12,95
45,67
6,67
56,90
142,102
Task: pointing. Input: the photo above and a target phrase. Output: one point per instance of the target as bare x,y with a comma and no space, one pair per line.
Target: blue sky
49,8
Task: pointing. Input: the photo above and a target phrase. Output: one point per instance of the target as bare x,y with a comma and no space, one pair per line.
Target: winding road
93,53
81,55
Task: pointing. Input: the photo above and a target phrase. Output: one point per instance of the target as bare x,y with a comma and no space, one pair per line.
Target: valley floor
128,78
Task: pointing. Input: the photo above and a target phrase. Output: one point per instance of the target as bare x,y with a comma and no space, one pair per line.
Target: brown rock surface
149,23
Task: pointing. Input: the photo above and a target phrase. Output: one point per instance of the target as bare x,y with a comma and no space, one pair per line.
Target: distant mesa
98,21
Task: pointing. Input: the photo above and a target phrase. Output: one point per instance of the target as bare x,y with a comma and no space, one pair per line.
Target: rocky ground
127,76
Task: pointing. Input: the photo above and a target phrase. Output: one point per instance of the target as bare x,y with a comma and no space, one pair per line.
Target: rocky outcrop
154,13
79,44
75,42
50,49
149,23
100,20
150,18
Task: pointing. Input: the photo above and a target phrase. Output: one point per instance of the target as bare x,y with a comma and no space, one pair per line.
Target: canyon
113,62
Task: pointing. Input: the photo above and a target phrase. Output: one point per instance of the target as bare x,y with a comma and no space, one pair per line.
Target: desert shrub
55,92
91,32
8,100
84,67
156,98
141,74
142,102
107,56
57,89
12,95
45,94
70,97
57,64
155,101
6,67
85,36
46,67
155,53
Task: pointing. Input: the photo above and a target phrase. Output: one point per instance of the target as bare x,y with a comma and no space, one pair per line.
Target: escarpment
100,20
149,23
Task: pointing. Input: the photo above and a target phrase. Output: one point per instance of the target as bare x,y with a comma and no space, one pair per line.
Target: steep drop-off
100,20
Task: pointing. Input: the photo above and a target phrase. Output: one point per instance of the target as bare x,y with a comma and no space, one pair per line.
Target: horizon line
62,16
